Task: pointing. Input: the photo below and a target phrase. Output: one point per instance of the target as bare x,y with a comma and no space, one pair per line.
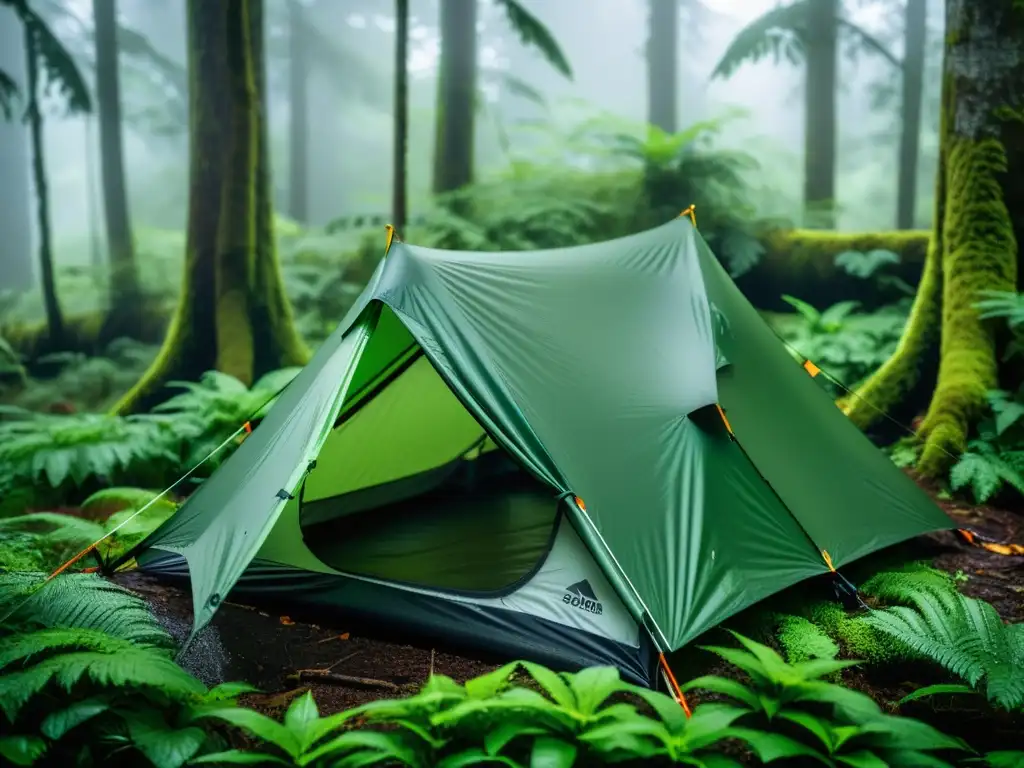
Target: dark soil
269,651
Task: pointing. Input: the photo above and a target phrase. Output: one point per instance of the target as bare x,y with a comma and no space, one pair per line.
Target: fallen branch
348,681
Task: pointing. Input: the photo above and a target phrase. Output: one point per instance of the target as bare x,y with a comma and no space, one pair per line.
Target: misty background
347,53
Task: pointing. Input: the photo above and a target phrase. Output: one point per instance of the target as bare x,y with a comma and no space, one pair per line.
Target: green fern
103,660
209,410
79,600
987,471
963,635
901,586
67,451
43,540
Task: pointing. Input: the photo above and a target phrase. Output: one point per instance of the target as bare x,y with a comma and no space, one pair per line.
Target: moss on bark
802,263
975,246
232,314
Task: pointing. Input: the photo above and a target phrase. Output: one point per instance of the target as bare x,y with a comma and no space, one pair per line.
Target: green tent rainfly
579,456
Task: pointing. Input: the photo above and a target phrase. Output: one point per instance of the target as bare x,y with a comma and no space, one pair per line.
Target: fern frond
79,600
25,646
963,635
900,585
131,666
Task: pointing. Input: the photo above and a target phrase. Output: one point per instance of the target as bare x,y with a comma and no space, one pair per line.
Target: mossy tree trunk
456,96
979,226
663,64
914,37
399,182
820,113
16,270
51,302
233,314
126,306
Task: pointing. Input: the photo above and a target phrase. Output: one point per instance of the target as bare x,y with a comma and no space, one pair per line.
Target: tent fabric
597,369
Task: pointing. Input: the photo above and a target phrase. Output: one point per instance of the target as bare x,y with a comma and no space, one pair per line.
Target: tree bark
456,96
663,65
914,37
16,270
298,115
233,315
820,113
51,302
399,182
979,225
125,308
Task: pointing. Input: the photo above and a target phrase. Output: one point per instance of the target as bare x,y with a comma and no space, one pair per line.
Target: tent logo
581,595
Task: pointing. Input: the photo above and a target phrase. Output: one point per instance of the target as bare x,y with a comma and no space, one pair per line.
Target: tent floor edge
387,614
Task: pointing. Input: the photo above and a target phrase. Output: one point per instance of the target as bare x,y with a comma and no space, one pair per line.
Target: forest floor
270,651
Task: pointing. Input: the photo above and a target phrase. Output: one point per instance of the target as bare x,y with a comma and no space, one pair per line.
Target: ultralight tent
578,456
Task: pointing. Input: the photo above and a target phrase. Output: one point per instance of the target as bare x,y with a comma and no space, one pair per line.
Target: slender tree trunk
16,271
979,226
399,190
298,120
456,96
233,314
914,37
820,112
51,303
125,293
663,65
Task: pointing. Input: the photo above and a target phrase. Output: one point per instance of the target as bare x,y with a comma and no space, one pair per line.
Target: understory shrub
785,712
49,460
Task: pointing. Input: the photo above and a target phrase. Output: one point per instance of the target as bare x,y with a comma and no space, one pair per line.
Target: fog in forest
526,109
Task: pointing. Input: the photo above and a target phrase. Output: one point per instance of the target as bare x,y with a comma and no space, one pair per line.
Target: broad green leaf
937,690
239,757
554,685
725,686
744,661
818,668
611,734
592,686
907,733
301,716
22,750
229,691
709,724
476,756
862,759
488,685
774,665
1005,759
497,738
774,746
667,708
423,734
552,753
258,725
164,746
811,722
58,723
854,705
387,745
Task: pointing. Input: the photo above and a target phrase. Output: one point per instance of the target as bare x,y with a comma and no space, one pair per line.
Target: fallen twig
334,678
